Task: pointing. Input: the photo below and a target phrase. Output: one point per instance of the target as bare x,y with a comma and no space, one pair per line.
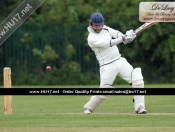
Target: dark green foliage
56,35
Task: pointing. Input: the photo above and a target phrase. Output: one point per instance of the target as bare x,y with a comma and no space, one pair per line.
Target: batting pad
137,78
137,82
94,102
139,101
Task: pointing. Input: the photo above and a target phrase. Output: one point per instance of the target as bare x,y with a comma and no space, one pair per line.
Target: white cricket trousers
120,68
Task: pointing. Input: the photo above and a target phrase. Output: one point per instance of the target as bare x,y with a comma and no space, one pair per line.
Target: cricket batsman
103,41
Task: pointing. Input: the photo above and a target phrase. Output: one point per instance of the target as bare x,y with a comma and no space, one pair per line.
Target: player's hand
129,37
130,33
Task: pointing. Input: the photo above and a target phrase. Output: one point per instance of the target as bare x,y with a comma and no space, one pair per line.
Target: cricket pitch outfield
65,114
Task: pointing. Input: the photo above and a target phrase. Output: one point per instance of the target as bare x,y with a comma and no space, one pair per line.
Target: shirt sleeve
114,33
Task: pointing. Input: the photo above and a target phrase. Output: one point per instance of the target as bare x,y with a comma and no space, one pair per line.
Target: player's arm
114,33
127,38
102,42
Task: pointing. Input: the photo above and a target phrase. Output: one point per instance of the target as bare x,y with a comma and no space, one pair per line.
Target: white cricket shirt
100,44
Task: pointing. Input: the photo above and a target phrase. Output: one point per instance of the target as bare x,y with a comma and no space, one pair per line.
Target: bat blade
144,26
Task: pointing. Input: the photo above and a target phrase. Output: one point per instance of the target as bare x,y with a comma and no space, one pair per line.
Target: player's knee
137,78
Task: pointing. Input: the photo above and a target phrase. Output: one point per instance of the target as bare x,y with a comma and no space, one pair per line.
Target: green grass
97,86
65,114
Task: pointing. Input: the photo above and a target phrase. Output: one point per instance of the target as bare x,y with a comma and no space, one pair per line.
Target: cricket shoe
87,111
140,110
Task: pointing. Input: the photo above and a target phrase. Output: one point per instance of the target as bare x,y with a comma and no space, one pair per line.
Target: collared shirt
100,44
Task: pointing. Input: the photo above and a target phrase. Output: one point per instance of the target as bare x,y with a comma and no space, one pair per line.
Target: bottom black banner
87,91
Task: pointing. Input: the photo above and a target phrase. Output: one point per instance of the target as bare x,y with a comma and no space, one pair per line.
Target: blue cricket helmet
97,19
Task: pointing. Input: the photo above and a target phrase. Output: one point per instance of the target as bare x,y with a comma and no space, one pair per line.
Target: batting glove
129,36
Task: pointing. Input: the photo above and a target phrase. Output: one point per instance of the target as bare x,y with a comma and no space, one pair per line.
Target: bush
23,79
69,74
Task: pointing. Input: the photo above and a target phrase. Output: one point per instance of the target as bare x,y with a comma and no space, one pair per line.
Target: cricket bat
144,26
